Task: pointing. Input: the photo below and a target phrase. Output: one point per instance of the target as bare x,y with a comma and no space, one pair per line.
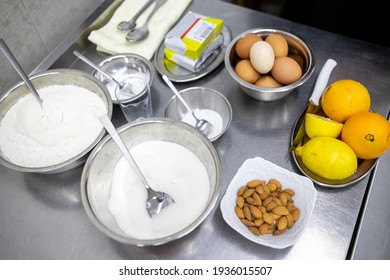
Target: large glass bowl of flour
59,135
175,158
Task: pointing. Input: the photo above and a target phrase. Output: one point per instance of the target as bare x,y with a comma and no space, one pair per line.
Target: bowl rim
261,168
365,166
159,241
76,160
223,97
306,75
129,55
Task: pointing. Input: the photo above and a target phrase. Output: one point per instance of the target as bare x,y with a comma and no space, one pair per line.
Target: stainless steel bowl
48,78
201,98
121,66
365,166
296,45
97,176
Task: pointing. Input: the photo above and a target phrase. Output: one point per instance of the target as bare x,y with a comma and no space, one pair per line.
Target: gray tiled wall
33,28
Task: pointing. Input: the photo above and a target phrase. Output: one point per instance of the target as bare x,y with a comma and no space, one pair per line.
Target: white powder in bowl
67,123
214,119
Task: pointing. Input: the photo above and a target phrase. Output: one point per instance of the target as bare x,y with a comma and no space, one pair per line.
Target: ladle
138,34
11,58
201,124
156,200
130,24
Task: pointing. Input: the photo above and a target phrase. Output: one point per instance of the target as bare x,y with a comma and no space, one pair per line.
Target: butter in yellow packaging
191,64
193,34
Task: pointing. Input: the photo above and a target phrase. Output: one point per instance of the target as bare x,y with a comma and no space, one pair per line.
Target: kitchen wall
33,28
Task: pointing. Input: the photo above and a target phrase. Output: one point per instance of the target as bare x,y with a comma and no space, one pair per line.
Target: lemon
328,157
316,126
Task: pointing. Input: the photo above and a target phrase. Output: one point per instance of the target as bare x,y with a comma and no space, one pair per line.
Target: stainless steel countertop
41,216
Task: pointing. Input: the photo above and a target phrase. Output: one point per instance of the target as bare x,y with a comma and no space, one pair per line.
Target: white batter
168,167
211,116
67,123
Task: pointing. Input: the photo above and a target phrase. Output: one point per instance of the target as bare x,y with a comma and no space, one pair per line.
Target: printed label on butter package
193,34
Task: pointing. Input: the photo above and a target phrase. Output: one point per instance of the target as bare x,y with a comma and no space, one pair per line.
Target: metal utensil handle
121,145
322,81
94,66
158,4
173,88
144,7
11,58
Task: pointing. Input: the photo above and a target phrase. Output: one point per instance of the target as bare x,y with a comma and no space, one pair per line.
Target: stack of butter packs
193,40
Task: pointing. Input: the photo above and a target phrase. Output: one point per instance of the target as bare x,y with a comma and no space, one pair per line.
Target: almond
256,213
289,192
263,228
248,193
268,218
247,213
276,182
296,213
281,210
241,190
282,223
240,201
247,222
239,212
254,230
251,201
254,183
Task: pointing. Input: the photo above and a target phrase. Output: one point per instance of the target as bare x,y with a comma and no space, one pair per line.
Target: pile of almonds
264,207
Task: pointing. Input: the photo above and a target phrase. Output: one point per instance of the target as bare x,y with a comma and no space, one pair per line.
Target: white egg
262,56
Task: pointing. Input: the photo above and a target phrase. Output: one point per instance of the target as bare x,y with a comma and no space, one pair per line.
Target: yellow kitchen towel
110,40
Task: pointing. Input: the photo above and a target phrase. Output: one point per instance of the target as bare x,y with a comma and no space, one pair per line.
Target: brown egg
286,70
245,71
279,44
298,58
268,82
245,43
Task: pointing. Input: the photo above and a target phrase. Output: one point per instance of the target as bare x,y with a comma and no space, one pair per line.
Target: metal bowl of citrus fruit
344,137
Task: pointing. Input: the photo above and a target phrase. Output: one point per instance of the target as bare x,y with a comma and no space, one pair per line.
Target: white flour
67,123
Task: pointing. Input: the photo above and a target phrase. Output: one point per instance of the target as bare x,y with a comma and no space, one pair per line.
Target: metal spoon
142,32
156,201
97,68
201,124
130,24
11,58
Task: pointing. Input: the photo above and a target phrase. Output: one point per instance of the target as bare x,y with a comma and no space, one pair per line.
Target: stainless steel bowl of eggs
268,64
57,135
175,158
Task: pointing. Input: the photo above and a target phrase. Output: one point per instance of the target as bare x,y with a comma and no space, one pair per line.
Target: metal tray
179,74
364,166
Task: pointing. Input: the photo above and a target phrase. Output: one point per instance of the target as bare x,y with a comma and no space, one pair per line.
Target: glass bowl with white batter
59,135
207,104
175,158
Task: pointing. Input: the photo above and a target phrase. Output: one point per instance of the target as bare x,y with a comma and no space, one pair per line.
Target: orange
368,134
344,98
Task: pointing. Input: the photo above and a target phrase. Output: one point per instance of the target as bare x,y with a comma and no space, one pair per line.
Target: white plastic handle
322,81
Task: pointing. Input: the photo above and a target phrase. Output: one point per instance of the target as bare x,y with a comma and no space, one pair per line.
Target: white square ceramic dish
304,198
